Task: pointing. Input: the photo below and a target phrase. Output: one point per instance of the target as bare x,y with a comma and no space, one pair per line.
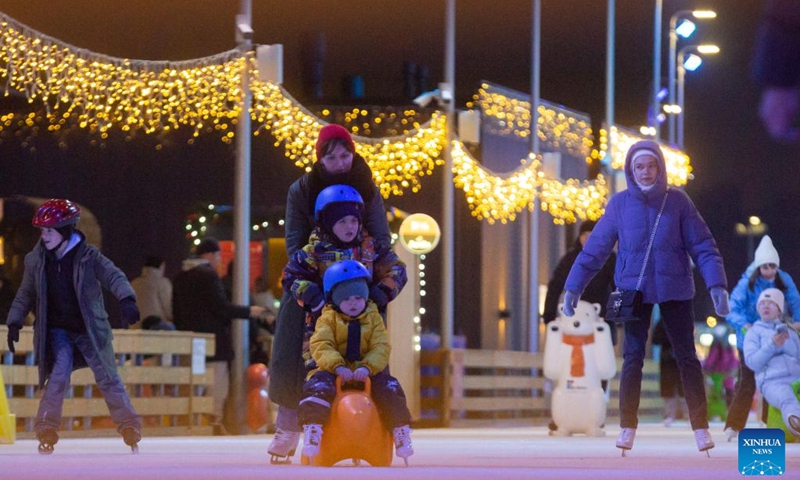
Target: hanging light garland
495,197
559,129
101,91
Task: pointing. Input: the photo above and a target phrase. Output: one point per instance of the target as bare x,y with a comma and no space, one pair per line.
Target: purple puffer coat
629,219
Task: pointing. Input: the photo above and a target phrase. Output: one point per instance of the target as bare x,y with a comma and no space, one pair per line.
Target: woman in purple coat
667,281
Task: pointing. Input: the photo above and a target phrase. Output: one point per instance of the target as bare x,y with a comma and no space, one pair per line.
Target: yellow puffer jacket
329,341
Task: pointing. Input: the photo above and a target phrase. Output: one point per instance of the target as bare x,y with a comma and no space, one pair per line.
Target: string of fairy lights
99,93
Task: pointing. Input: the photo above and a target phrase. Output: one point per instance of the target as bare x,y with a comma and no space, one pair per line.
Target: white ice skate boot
730,433
703,439
283,446
402,442
312,437
625,439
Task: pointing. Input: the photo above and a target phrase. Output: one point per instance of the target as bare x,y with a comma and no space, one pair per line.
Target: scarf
577,360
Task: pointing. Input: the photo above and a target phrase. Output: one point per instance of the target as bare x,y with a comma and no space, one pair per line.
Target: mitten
720,297
344,373
312,298
377,295
361,374
13,336
130,312
571,302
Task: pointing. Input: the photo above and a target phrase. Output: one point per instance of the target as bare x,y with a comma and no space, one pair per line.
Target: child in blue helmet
339,235
350,341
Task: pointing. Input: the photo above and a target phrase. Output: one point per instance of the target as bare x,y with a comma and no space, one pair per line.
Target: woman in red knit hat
336,163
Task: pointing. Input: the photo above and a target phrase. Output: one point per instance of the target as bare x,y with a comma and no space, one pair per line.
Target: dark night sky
738,171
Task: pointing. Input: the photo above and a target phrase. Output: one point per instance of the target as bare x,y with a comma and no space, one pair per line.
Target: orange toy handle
367,386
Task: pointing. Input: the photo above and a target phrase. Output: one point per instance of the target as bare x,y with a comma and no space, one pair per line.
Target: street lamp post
684,32
704,49
656,67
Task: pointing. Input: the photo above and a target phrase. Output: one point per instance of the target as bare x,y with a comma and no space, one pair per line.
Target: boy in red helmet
63,281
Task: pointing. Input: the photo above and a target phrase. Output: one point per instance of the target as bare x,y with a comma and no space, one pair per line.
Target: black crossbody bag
626,305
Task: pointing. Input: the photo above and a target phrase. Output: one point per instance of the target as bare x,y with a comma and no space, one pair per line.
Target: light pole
682,67
657,67
533,281
448,92
754,228
684,29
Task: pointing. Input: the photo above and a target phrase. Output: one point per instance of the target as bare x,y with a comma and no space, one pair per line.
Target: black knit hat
336,211
586,226
208,245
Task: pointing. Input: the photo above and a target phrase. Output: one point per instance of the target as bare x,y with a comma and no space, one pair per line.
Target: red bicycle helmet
56,213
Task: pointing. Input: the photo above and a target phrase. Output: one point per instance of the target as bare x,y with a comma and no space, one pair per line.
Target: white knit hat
772,294
766,253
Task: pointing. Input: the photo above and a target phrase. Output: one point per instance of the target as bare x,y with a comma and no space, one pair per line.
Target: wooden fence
461,388
168,387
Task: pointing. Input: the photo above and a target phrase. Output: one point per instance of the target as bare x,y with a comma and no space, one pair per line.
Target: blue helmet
336,194
343,271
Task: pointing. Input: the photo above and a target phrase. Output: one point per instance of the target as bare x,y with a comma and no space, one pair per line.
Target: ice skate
703,439
312,437
625,439
794,424
283,446
402,442
131,436
47,440
730,433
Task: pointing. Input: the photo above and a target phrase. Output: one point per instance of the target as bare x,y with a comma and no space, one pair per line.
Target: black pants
320,390
678,318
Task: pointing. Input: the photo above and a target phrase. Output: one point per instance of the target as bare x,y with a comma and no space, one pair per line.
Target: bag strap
650,243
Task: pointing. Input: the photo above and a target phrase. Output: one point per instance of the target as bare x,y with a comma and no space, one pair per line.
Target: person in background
629,221
200,305
720,364
153,290
63,285
776,68
772,351
763,273
336,163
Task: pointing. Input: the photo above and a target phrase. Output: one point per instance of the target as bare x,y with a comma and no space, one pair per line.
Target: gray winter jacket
92,273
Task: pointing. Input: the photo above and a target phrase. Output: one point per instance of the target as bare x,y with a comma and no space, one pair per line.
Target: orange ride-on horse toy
354,430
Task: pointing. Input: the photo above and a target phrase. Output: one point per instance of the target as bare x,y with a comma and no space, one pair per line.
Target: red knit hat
329,132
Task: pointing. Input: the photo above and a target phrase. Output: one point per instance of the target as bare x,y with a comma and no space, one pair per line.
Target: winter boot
625,439
702,438
402,442
47,440
283,446
312,437
131,437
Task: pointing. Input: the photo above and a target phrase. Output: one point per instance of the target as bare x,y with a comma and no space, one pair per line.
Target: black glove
312,298
13,336
130,312
379,296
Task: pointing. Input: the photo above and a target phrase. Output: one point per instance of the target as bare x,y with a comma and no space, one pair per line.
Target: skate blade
45,450
135,449
278,460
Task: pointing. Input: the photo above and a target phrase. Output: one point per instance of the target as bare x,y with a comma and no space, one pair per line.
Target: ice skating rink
441,454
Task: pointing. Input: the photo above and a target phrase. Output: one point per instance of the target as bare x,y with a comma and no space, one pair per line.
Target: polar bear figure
578,354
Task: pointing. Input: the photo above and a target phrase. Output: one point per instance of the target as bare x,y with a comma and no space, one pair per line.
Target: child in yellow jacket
350,341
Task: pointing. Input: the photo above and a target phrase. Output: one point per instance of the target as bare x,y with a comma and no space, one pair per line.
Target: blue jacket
743,302
629,219
767,360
